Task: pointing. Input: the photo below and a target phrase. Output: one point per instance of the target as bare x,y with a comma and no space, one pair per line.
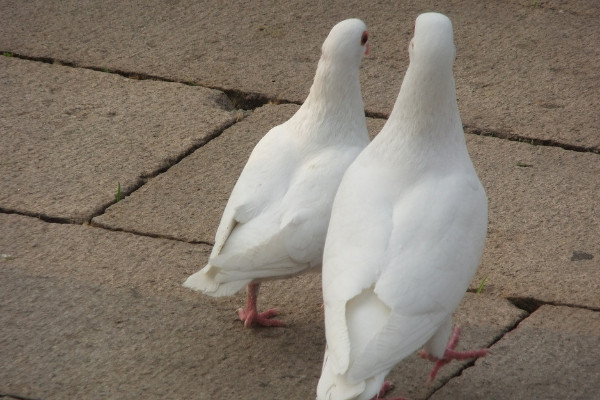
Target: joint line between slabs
241,100
250,101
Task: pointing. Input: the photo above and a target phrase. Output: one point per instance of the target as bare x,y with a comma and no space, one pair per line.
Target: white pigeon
407,231
275,221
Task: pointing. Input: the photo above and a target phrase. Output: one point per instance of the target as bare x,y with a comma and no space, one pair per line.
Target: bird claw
450,354
252,317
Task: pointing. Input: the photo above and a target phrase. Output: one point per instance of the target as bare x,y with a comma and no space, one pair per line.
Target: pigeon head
433,41
347,42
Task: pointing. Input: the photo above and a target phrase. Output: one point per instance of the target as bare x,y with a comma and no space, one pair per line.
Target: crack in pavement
95,225
527,304
147,234
11,396
530,304
140,182
168,164
242,100
532,141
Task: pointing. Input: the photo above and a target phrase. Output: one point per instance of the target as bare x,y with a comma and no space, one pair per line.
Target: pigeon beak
368,49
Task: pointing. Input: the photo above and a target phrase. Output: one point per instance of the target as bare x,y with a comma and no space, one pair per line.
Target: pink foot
450,354
250,316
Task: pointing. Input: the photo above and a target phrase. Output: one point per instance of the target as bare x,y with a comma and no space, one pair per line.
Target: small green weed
480,288
118,195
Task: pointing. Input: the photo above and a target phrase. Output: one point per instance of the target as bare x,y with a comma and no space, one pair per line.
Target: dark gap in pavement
376,114
251,100
240,99
10,396
67,221
147,234
532,141
43,217
527,304
530,304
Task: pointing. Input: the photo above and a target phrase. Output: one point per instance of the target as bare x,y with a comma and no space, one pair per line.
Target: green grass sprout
480,288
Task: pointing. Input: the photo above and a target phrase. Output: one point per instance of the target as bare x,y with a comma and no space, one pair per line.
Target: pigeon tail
334,386
205,282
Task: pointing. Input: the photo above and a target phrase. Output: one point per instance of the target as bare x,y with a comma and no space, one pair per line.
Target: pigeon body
407,229
275,221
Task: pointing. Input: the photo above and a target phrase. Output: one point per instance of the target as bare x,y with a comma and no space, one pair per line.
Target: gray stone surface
553,354
90,313
521,69
543,210
71,135
186,202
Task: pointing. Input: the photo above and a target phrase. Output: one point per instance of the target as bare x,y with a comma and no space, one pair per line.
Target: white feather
276,219
407,229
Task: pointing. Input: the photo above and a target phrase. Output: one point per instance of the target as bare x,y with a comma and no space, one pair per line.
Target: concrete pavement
169,98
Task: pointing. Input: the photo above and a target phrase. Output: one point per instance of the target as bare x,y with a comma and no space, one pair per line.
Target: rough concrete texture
90,313
521,69
71,135
544,222
186,202
553,354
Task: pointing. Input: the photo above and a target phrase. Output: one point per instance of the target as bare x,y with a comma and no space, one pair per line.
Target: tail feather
335,386
204,282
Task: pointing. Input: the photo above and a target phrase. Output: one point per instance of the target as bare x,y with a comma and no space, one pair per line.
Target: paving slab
71,135
543,237
91,313
523,68
553,354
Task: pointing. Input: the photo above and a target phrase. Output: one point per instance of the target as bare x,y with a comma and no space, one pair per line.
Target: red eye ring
364,38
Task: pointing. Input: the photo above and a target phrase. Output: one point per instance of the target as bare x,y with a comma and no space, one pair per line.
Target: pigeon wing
432,255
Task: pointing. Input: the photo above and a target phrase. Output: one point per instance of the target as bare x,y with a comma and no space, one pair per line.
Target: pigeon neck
425,118
335,95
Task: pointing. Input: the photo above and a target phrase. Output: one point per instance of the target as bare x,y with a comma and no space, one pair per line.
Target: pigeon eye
364,38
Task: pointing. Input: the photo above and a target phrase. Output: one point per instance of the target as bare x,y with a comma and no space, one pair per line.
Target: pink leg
451,354
386,387
251,316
